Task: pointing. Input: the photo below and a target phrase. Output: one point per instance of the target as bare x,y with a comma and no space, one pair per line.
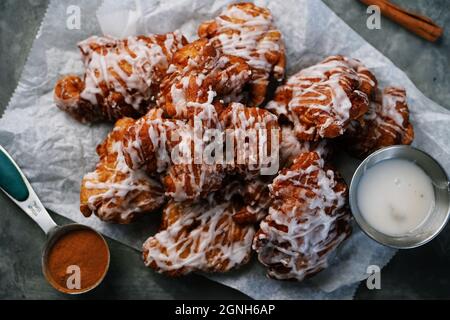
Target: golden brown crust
256,199
121,77
320,101
148,142
247,31
192,181
256,135
386,123
307,219
200,81
114,192
67,97
168,147
198,237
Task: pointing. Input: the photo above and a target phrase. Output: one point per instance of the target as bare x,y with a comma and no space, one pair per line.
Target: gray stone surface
419,273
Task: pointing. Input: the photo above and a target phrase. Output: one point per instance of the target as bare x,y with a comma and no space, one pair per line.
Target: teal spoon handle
19,190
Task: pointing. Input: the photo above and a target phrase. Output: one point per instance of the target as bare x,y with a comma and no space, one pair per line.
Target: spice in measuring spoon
77,261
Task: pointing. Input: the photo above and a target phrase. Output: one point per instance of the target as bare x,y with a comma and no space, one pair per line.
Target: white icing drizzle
199,237
125,73
115,192
307,220
150,140
318,98
256,138
247,39
168,147
247,31
191,90
257,199
366,77
386,123
393,104
191,181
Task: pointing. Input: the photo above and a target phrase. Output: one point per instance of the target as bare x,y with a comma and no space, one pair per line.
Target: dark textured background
418,273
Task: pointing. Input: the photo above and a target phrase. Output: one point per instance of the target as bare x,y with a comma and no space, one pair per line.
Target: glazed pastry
148,142
122,77
307,219
254,135
386,123
248,31
191,181
200,80
367,81
167,147
199,237
320,101
191,175
114,192
256,199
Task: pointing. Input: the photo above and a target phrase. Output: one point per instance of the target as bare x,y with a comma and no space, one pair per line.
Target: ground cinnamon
85,250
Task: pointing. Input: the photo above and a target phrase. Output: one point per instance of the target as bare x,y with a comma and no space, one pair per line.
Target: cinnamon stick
416,23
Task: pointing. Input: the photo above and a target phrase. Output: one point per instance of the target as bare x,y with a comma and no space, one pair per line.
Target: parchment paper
55,151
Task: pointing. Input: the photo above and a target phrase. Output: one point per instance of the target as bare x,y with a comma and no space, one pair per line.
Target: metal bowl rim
359,218
46,247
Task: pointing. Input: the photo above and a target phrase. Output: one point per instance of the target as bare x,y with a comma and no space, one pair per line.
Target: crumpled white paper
55,151
120,19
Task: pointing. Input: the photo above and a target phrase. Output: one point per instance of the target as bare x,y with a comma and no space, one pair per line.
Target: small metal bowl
53,236
438,217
